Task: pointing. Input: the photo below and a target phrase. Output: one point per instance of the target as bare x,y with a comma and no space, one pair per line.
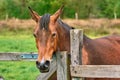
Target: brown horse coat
101,51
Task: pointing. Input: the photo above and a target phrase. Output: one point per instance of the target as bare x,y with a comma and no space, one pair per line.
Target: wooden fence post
76,16
63,70
76,37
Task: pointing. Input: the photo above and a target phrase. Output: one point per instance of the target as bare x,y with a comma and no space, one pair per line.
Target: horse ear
34,15
56,15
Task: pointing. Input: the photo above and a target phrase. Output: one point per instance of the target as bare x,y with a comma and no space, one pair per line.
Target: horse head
46,37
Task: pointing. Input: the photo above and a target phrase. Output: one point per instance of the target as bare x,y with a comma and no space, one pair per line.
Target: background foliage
84,8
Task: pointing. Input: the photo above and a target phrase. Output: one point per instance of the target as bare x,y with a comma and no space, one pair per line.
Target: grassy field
18,70
17,41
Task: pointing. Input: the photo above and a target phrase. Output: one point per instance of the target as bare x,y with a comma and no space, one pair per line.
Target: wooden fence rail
18,56
96,71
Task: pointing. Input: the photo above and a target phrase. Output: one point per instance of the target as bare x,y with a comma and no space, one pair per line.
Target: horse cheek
55,43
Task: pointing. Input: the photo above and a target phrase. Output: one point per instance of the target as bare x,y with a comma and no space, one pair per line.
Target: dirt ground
94,23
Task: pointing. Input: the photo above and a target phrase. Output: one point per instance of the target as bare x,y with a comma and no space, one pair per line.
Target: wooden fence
78,70
65,64
16,56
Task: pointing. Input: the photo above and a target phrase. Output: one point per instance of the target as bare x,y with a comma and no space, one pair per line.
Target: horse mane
66,26
44,21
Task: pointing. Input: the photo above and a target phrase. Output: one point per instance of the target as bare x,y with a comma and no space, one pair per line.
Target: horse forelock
44,21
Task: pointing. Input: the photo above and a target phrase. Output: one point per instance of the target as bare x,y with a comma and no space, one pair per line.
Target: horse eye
34,35
54,34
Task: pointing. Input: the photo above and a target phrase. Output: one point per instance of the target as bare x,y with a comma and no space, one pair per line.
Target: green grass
14,44
17,41
18,70
20,41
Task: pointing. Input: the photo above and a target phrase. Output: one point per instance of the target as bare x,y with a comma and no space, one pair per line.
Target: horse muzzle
43,67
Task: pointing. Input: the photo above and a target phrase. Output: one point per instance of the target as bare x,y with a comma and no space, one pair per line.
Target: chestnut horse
51,35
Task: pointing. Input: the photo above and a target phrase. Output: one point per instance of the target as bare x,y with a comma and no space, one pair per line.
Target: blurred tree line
84,8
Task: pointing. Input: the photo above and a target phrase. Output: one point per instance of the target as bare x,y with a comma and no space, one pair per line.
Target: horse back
102,51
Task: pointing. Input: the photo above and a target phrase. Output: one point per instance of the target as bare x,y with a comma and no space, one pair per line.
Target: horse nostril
47,63
37,63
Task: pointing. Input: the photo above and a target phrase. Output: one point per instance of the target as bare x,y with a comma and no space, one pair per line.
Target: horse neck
63,36
86,40
64,41
89,47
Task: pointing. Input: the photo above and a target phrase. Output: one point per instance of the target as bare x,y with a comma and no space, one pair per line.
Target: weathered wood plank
62,66
46,76
96,71
10,56
76,37
18,56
